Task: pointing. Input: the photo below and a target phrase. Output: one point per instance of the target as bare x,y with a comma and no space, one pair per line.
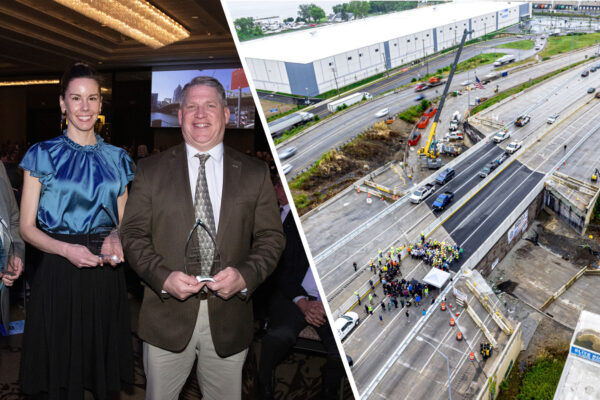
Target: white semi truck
348,101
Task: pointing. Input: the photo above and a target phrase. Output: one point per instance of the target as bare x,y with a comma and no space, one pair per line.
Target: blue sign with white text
588,355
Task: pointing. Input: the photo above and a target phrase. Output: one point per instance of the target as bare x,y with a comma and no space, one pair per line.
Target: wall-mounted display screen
167,86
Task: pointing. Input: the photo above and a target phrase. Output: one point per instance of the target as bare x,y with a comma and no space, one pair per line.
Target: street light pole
336,84
420,339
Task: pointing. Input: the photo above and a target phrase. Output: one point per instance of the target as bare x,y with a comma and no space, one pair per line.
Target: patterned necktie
204,212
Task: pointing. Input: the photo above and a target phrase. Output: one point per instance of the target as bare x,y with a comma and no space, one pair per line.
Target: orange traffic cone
369,195
443,306
471,356
459,336
451,321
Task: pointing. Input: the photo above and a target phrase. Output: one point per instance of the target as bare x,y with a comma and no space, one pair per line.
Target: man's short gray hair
203,81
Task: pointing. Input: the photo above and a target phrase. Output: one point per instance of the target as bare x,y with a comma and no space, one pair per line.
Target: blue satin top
80,184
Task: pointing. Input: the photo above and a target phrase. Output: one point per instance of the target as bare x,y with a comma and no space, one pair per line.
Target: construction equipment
430,149
595,175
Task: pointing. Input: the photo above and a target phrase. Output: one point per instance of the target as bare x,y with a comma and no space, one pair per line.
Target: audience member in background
11,264
77,332
231,194
295,304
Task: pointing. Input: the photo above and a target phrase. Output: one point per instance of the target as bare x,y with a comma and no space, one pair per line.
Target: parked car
522,120
450,150
552,118
593,69
500,159
591,90
346,323
422,193
445,176
585,73
501,136
513,146
287,153
287,168
487,169
597,95
382,113
442,201
453,136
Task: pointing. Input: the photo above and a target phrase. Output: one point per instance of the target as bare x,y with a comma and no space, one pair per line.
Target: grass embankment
537,382
519,45
362,147
478,60
507,93
562,44
283,114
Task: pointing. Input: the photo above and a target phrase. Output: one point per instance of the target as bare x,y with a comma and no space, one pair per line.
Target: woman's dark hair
78,69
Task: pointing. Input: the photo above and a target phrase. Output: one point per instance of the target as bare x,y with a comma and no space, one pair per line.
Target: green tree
338,8
290,19
360,9
246,29
304,11
244,26
317,13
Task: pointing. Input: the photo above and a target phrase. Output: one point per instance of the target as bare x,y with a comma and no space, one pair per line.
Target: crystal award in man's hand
103,236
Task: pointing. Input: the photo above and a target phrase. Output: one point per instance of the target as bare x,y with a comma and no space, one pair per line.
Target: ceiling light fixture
137,19
31,82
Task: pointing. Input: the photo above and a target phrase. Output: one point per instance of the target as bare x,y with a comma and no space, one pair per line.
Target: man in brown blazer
180,320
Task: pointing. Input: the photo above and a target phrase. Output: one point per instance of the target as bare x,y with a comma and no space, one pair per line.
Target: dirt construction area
340,168
546,258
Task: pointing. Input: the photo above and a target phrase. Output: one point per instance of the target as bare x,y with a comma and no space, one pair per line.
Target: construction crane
430,149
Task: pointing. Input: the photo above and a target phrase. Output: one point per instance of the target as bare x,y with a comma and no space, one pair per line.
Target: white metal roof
436,277
321,42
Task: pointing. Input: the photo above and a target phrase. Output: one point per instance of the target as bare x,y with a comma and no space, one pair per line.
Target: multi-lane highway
340,128
337,241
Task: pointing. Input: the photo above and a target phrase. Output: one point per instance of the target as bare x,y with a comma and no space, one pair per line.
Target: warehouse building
314,61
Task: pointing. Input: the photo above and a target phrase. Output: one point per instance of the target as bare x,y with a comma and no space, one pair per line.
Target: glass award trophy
6,248
199,258
103,236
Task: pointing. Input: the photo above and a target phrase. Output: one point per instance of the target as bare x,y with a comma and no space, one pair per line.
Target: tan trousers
219,378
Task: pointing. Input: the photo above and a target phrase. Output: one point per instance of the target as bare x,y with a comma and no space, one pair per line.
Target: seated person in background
294,304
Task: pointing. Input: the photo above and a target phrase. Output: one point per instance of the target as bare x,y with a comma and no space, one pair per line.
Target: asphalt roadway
345,126
355,228
400,222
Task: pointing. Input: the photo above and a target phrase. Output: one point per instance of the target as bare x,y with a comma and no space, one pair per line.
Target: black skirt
77,331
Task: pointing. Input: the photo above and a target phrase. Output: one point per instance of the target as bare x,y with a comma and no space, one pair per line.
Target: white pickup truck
422,193
501,136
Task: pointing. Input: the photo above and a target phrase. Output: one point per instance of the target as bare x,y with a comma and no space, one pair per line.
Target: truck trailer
286,123
507,59
348,101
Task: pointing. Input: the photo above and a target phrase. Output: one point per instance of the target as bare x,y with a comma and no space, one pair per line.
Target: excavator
430,149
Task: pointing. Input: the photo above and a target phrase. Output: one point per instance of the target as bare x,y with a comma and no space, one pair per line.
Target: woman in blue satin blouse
77,333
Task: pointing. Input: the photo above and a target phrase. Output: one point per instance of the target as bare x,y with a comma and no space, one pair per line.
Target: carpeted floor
297,377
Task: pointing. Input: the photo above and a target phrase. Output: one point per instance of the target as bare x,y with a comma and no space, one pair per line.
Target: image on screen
167,86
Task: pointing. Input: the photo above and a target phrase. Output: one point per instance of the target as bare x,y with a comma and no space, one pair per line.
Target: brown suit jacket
158,217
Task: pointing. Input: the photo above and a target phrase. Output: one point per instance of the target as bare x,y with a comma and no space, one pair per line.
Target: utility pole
336,83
